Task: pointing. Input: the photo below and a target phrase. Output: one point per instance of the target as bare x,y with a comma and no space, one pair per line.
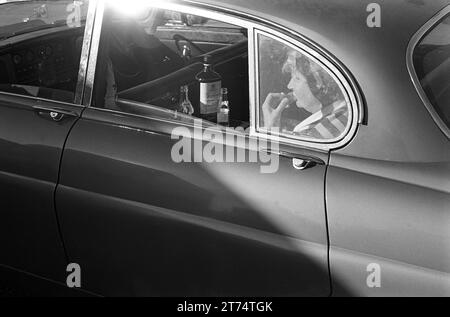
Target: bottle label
223,117
209,97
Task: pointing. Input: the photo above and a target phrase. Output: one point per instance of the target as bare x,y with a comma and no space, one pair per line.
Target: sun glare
132,7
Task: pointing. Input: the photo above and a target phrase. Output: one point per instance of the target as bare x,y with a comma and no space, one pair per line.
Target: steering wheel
178,38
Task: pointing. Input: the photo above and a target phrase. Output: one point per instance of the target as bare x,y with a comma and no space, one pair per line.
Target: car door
140,221
388,193
37,111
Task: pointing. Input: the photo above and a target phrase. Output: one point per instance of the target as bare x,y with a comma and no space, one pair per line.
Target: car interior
149,67
44,66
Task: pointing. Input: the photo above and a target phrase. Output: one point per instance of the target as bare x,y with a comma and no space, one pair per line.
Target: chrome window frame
413,43
326,65
85,51
79,89
253,25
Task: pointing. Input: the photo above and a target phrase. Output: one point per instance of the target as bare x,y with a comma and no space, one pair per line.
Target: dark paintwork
388,191
142,225
30,152
226,224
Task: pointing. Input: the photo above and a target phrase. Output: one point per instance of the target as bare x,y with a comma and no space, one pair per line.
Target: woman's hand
273,108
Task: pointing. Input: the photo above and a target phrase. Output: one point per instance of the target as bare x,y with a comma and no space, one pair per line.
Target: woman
320,109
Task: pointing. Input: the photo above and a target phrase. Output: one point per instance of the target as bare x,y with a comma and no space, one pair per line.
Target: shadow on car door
31,146
140,224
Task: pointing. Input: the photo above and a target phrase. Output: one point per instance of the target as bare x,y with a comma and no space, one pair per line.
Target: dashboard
48,61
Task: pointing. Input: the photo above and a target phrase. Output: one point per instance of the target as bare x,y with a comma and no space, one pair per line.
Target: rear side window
299,95
431,58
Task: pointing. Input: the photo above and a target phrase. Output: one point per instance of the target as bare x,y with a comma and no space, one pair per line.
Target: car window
298,95
40,47
431,59
162,63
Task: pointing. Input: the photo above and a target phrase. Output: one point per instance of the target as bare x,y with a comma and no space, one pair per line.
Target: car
323,168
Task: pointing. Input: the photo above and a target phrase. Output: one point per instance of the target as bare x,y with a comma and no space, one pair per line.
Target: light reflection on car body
99,188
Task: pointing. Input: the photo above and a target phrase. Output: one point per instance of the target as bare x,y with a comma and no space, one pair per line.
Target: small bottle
185,105
210,86
223,112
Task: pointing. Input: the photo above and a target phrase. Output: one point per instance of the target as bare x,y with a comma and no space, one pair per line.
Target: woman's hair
322,85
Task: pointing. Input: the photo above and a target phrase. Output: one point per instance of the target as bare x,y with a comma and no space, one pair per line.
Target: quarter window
298,95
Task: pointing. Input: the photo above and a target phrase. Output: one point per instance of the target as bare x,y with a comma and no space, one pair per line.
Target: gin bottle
210,88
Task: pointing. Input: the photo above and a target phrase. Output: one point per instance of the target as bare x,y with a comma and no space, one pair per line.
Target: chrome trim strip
174,121
418,36
93,54
39,99
85,51
205,125
252,77
221,14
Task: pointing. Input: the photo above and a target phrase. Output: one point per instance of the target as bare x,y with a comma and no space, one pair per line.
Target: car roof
335,24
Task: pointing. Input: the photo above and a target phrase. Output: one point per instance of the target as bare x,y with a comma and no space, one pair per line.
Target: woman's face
300,88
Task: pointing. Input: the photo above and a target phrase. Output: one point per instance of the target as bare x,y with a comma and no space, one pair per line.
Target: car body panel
396,207
31,148
390,185
395,215
142,215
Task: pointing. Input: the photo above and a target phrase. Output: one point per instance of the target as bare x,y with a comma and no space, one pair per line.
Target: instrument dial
17,59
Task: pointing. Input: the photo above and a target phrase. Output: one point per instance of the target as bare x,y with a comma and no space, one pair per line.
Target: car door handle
56,114
299,162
